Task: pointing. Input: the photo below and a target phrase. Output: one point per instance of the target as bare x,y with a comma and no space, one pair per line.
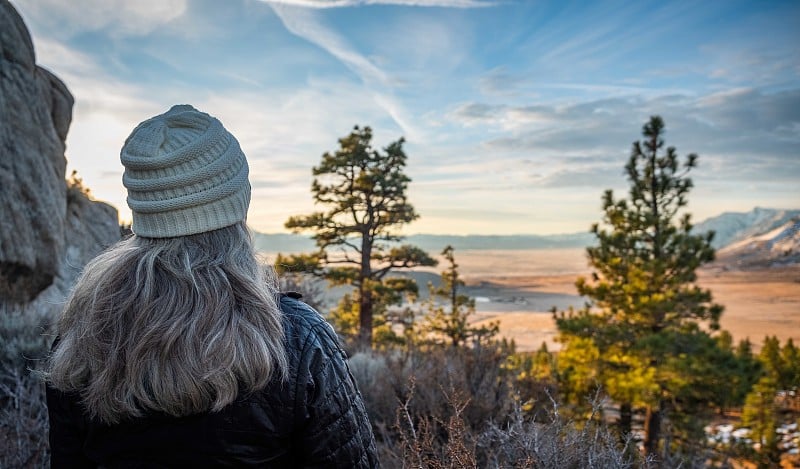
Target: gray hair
172,325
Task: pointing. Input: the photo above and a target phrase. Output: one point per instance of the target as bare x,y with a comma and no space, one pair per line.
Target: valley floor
519,288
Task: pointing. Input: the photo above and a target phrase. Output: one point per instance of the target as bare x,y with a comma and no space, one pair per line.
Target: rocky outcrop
90,227
43,239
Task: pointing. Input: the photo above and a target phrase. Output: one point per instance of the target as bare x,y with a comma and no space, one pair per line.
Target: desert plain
519,287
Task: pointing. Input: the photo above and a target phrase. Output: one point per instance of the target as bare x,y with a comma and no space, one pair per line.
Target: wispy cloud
320,4
116,17
500,81
610,174
741,122
306,24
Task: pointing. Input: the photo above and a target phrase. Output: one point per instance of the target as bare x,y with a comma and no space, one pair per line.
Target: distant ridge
777,247
729,227
484,242
290,243
282,242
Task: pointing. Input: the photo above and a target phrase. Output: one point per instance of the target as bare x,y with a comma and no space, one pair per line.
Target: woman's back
307,420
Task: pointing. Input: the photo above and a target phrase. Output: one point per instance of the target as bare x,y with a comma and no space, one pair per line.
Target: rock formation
44,240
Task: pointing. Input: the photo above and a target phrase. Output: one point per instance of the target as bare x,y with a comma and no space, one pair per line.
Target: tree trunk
652,429
365,317
365,294
625,419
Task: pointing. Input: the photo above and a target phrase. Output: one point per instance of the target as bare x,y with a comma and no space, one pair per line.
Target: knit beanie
185,174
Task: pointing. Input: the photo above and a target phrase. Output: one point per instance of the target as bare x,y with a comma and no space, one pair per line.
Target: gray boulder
44,240
90,227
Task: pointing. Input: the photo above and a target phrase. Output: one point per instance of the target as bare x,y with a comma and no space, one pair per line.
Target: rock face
41,237
90,227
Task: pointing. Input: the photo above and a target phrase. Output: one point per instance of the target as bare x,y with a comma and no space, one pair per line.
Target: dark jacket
316,418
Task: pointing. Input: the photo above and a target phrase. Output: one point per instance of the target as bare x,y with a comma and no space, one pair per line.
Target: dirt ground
518,288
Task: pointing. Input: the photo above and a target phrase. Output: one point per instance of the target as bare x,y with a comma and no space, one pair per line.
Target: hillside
731,227
779,246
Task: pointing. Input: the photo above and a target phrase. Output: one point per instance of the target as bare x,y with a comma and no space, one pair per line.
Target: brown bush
24,342
461,408
23,420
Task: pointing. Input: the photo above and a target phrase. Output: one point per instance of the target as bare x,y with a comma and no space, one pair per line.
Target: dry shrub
460,408
476,375
23,420
555,442
23,413
432,443
23,338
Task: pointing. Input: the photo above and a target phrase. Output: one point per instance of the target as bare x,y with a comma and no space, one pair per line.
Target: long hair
175,325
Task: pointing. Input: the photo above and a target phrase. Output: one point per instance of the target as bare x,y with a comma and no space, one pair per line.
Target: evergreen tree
744,369
790,369
643,322
363,191
782,364
760,414
770,356
451,324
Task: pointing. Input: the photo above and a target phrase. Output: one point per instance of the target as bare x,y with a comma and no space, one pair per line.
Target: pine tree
743,368
451,324
760,414
363,191
643,322
790,369
770,356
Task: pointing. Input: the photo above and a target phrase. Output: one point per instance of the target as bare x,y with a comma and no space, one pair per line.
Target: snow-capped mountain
731,227
777,247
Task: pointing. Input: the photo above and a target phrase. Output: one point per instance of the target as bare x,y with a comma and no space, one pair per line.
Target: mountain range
734,231
777,247
731,227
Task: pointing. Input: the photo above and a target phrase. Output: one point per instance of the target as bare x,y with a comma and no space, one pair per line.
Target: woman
176,350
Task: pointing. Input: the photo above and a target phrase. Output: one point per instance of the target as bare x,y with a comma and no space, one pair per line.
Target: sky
517,115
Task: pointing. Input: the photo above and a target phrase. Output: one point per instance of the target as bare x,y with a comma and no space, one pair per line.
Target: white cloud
117,17
56,56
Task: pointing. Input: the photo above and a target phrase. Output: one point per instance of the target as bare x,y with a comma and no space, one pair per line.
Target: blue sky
517,114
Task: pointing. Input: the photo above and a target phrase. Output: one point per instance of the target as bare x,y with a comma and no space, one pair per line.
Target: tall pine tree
363,191
646,312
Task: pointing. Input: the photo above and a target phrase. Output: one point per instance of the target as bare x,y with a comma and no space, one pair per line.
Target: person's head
181,315
185,174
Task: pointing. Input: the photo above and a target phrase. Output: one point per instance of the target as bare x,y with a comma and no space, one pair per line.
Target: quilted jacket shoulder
314,418
335,427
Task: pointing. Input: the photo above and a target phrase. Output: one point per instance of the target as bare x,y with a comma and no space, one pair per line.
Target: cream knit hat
185,174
